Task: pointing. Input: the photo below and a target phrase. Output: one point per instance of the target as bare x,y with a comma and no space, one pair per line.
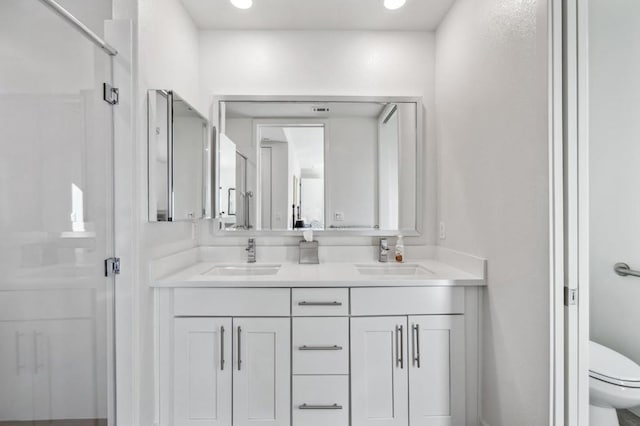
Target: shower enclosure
56,216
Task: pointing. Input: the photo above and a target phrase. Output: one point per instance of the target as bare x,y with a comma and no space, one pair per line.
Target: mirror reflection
177,158
289,165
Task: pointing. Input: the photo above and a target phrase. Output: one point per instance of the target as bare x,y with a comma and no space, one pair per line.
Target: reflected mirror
177,158
286,165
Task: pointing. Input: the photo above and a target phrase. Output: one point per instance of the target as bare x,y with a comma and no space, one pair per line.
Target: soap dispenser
400,249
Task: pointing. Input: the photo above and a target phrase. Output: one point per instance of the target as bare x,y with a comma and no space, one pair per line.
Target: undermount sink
394,270
243,269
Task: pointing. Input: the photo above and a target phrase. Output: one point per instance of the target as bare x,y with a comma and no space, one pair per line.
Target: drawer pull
305,303
320,407
320,348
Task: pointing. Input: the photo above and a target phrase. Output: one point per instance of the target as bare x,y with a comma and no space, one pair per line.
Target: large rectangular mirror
346,164
177,158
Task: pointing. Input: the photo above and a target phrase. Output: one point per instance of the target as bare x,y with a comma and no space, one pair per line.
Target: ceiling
415,15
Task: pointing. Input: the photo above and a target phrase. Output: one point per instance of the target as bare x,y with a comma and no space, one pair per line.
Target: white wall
168,58
351,168
327,63
614,132
491,94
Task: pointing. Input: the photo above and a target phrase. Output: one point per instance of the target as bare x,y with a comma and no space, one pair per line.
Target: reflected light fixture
394,4
242,4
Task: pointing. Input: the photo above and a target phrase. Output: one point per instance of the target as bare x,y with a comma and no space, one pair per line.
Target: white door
436,370
261,371
202,372
379,365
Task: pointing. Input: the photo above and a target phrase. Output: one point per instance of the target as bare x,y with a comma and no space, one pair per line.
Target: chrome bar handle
624,270
416,345
320,407
221,348
305,303
239,347
36,346
400,347
19,364
320,348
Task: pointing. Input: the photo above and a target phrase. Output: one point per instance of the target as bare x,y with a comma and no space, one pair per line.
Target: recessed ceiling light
394,4
242,4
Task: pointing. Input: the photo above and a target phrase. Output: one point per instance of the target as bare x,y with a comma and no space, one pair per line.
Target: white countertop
332,274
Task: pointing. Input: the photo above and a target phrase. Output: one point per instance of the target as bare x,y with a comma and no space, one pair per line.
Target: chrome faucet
383,255
251,251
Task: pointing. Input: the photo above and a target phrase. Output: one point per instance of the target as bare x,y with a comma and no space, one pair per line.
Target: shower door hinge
111,266
110,94
570,296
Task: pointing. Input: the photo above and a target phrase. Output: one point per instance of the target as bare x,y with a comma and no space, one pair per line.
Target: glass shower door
56,222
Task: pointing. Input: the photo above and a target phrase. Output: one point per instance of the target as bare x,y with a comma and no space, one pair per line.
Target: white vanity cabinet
387,356
379,381
230,367
52,355
419,359
202,371
262,371
408,369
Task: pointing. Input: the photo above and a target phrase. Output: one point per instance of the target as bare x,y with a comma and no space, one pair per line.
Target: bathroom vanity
348,341
330,344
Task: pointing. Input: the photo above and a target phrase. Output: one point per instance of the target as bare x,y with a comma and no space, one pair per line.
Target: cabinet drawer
407,301
237,302
320,345
321,400
320,301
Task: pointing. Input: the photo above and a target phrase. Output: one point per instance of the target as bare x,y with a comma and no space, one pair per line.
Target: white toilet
614,383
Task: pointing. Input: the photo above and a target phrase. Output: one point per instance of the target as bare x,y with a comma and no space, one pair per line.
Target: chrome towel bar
624,270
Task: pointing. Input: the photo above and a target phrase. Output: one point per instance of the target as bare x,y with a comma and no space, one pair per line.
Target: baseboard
483,423
636,411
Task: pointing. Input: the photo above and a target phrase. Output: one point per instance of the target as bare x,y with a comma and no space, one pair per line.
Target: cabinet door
437,370
262,371
379,365
16,372
202,372
65,369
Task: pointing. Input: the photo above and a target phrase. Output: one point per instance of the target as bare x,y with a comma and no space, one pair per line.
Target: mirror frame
151,166
420,161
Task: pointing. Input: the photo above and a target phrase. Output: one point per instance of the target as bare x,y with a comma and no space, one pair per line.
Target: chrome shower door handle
624,270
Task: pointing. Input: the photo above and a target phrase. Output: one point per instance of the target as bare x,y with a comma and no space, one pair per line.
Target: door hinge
110,94
570,296
111,266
